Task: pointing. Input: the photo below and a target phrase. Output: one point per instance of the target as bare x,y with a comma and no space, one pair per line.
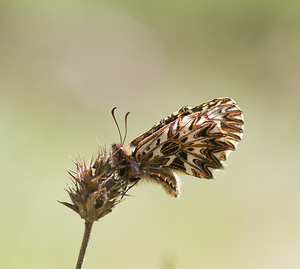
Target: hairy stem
84,244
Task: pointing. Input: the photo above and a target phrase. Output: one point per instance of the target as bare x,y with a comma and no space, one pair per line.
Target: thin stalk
84,244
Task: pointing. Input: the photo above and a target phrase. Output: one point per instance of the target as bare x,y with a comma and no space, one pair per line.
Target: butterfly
192,141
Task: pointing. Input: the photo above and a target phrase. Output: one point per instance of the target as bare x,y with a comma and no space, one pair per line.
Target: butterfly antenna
126,116
113,115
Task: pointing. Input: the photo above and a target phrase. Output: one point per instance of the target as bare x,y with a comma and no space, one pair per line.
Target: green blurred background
65,64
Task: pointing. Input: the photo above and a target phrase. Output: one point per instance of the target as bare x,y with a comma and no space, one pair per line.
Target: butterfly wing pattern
192,141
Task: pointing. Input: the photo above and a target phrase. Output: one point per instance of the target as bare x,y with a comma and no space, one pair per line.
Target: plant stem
84,244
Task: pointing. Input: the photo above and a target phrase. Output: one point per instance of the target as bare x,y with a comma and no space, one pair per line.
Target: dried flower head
97,187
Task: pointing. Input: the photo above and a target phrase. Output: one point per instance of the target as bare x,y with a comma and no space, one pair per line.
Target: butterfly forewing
193,141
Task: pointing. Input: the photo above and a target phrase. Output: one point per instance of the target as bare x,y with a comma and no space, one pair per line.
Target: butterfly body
192,141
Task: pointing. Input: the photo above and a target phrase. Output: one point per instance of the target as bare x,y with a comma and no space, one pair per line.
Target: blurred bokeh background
65,64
